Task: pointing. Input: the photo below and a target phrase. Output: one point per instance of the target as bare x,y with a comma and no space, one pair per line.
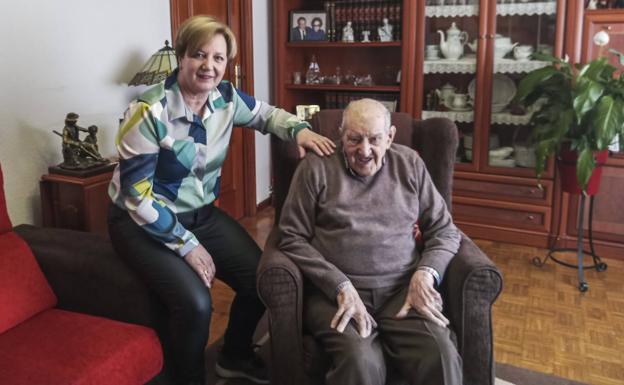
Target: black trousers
235,255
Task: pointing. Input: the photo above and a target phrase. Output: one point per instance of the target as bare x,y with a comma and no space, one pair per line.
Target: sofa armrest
471,285
280,287
87,276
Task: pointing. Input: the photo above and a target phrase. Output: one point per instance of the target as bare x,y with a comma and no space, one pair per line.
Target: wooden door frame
245,44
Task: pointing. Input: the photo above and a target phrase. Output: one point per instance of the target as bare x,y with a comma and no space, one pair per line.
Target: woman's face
200,72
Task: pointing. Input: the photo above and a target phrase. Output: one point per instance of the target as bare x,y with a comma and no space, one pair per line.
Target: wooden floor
541,321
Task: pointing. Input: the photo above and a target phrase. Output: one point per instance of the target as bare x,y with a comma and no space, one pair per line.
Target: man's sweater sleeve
441,237
297,226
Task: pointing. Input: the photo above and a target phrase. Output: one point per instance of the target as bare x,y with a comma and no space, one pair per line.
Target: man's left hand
422,297
308,139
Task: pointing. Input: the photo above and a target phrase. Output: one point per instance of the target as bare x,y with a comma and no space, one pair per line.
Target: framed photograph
308,26
305,112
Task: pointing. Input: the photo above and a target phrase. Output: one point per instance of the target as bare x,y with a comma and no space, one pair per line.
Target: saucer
460,109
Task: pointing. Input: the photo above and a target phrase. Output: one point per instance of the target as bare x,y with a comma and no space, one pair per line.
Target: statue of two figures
79,154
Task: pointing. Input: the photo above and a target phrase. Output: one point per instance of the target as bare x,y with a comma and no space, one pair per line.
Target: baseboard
265,203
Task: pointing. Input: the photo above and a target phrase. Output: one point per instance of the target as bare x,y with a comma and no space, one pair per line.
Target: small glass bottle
313,75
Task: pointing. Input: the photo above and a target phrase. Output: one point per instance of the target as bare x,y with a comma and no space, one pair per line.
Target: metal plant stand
580,252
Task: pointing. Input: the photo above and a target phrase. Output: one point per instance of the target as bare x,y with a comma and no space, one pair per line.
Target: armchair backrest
435,140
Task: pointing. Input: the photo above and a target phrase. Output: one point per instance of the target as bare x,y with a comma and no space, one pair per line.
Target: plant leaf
584,166
607,121
589,92
532,81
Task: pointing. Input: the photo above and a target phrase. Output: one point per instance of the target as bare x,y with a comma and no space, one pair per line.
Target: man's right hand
200,260
350,306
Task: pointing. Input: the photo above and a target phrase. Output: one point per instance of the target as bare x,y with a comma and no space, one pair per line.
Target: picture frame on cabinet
308,26
305,112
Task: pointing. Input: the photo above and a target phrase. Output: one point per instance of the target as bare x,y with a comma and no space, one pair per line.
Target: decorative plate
503,89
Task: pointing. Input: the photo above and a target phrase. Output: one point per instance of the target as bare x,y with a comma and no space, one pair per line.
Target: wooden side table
75,203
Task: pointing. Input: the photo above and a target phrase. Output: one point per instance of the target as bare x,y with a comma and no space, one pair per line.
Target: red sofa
41,343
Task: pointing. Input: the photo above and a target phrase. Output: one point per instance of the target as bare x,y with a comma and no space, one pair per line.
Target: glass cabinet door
522,28
451,28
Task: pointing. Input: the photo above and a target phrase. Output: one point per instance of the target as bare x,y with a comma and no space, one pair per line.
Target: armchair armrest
471,285
280,287
87,276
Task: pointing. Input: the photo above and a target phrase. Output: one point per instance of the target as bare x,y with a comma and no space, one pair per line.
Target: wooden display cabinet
493,198
381,60
75,203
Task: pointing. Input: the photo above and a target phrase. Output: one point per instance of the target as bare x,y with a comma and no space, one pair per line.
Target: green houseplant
578,107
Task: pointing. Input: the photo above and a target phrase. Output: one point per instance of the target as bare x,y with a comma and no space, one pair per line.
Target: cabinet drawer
496,214
507,189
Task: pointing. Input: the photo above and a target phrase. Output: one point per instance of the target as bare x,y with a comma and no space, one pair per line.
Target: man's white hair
363,110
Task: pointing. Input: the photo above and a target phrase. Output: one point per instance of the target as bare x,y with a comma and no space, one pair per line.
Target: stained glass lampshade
157,68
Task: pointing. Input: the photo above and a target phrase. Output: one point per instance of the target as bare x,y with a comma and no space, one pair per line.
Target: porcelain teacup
523,52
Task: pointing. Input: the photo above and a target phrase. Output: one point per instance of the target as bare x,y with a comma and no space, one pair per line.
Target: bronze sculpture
79,154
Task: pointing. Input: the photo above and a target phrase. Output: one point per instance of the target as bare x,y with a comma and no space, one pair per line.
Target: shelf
342,87
468,117
541,8
340,44
468,65
451,10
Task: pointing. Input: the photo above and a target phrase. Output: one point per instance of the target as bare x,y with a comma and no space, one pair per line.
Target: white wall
262,55
60,56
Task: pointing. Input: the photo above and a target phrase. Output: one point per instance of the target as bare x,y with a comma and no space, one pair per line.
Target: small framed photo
305,112
308,26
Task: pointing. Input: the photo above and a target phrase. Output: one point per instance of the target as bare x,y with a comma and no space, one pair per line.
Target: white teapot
452,47
502,46
446,94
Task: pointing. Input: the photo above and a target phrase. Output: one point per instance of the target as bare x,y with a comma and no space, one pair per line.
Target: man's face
302,23
365,142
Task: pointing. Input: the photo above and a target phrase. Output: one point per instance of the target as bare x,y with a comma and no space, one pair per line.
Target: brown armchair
470,286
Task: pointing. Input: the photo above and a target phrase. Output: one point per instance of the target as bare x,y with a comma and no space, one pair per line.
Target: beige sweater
336,226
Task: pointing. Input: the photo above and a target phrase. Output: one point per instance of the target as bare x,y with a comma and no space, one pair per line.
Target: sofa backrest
24,291
5,222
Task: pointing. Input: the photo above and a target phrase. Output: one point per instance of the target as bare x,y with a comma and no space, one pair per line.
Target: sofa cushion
24,291
5,222
61,347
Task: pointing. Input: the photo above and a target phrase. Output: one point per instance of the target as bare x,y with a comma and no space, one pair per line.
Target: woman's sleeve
138,143
264,117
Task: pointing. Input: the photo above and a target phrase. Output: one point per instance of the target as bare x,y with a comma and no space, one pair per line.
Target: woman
171,145
317,33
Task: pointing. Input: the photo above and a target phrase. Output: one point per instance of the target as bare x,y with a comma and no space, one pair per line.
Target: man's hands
350,306
308,139
424,299
200,260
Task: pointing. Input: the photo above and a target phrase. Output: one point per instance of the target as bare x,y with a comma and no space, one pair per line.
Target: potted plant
578,113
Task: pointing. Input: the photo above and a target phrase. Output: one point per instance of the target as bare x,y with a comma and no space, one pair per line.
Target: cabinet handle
490,36
237,76
530,217
532,191
606,27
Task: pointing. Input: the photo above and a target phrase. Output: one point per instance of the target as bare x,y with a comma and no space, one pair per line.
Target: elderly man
349,224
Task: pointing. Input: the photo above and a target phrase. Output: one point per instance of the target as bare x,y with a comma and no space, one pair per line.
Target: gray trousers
420,350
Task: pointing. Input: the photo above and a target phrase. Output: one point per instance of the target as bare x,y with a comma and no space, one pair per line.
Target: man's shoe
252,369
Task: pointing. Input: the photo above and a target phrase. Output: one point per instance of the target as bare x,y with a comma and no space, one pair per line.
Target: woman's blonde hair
199,30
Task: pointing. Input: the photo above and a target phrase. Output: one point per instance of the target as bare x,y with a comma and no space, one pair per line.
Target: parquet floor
541,321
